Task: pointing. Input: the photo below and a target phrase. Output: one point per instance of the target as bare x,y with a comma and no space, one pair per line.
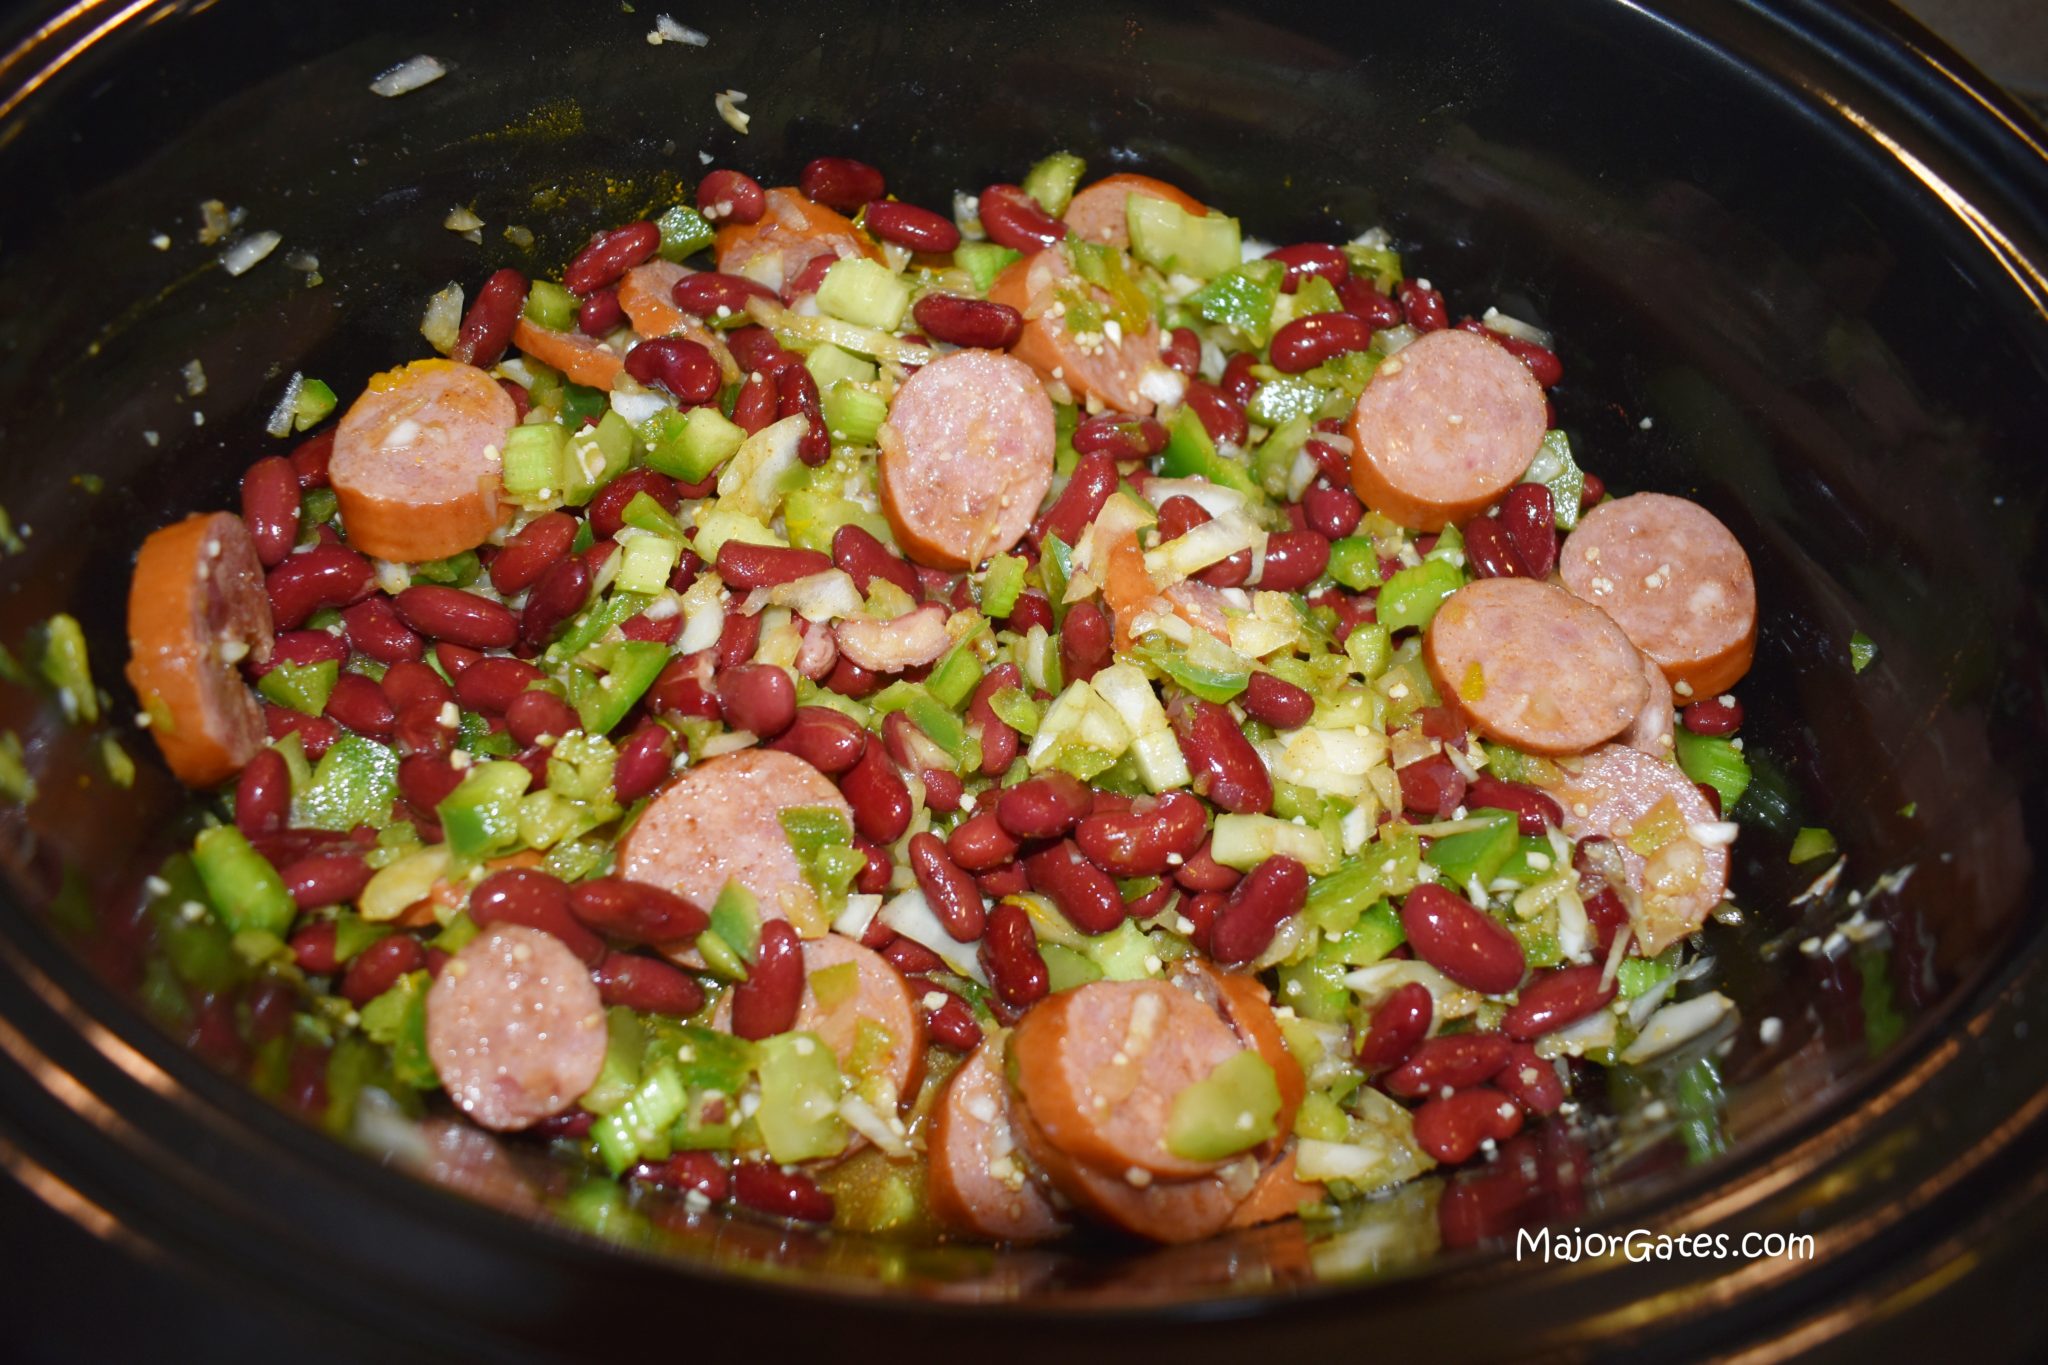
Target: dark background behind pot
1491,151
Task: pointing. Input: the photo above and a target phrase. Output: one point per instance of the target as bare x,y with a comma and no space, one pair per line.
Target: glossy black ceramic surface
1795,259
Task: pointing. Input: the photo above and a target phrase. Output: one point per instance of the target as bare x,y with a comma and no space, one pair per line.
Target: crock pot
1797,256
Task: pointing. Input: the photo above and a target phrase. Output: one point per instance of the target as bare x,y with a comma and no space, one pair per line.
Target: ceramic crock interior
1758,308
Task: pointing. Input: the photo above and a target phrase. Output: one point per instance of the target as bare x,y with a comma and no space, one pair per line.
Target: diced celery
1273,461
1355,563
551,306
1121,952
646,563
1161,765
1165,235
1286,399
684,233
691,445
1234,1108
717,523
353,785
301,687
535,463
984,261
1002,585
244,888
1556,470
862,292
648,515
1242,299
1411,596
812,516
1811,843
481,816
800,1090
1475,853
629,668
828,365
1067,968
1245,841
1051,182
596,456
64,666
1641,975
853,414
1714,760
1370,649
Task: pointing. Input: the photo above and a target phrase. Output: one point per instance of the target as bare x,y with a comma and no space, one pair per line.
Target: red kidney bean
797,392
522,401
699,1171
1527,517
980,843
876,791
849,679
943,789
725,196
313,949
608,508
864,559
1542,362
1032,608
911,957
1181,514
754,408
1013,219
1465,945
1713,716
1202,873
528,896
487,325
999,743
1449,1061
1009,954
1606,913
1294,559
951,1024
1335,466
573,1126
1533,809
1157,834
1227,769
601,313
962,321
263,794
1362,299
949,891
1399,1023
840,182
1593,492
1238,380
644,760
757,697
755,348
680,689
287,846
875,874
711,293
635,911
1450,1129
536,715
375,632
1093,480
376,969
766,1002
1277,702
644,983
1422,308
1045,806
326,879
682,366
1311,258
828,740
1530,1081
1267,897
1119,436
1182,351
425,779
361,705
1087,645
1222,417
303,648
493,684
463,618
270,508
737,640
559,595
1489,551
537,547
310,458
910,226
767,1188
1308,342
1332,512
1005,879
324,576
745,566
610,255
316,733
1084,893
1431,786
1554,999
409,684
811,278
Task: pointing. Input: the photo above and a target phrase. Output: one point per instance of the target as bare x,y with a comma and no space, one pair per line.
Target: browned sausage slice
515,1027
966,458
1677,581
722,821
196,608
1278,1194
881,999
1653,816
417,461
1446,425
979,1181
1097,213
1532,666
1115,370
789,236
1099,1069
1157,1210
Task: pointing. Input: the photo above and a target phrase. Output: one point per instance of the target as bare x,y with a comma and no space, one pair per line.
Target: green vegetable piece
1014,708
646,563
580,766
1714,760
456,571
65,667
691,445
582,405
1209,681
829,365
1556,470
596,456
1386,867
244,888
650,516
1380,262
533,468
1204,247
1316,295
17,784
1411,596
481,816
736,919
354,784
1376,933
1067,968
684,233
1287,399
1862,649
1191,454
592,625
1232,1109
1697,1098
865,293
822,839
1051,182
1314,989
800,1091
1475,853
629,669
812,516
398,1020
1121,952
1002,585
1355,562
1811,843
475,737
955,676
1242,299
984,261
301,687
312,403
638,1130
1532,861
1370,648
944,729
853,413
551,306
1641,975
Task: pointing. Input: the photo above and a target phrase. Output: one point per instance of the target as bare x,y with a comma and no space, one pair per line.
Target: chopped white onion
862,1118
243,255
909,915
441,323
667,30
858,914
727,103
407,76
1677,1024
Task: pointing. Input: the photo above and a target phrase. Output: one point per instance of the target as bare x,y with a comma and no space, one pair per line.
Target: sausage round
1099,1068
196,607
1617,792
1279,1193
791,233
979,1182
882,998
1530,665
1677,581
722,821
1090,364
1446,425
1157,1210
966,457
1096,214
515,1027
417,460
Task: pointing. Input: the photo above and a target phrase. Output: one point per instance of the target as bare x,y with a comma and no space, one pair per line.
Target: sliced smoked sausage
515,1027
881,999
1121,369
1445,426
417,461
980,1182
197,608
1652,815
1677,581
1096,214
1157,1210
791,233
966,457
722,821
1530,665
